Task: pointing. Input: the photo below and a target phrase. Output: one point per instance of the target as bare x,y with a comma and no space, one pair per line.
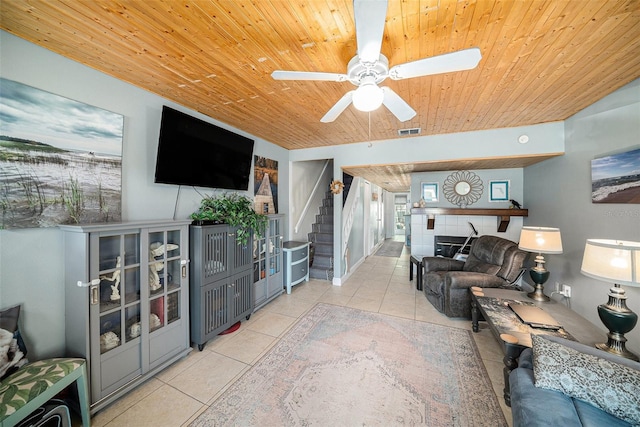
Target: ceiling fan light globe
368,97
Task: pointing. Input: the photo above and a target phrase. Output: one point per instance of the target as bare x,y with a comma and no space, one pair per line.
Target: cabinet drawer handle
93,282
95,294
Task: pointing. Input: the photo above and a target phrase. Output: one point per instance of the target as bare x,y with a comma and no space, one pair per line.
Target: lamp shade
614,261
368,96
544,240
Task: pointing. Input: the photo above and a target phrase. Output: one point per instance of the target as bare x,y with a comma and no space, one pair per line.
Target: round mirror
462,188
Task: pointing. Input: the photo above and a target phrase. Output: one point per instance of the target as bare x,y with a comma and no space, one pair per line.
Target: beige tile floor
176,396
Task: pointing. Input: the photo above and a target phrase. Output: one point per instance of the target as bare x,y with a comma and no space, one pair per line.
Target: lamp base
538,294
539,276
616,347
619,320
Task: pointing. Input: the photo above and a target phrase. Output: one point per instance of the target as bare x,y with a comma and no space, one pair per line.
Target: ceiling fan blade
397,105
308,75
449,62
370,17
338,108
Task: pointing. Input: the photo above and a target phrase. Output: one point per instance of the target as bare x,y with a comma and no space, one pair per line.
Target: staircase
321,238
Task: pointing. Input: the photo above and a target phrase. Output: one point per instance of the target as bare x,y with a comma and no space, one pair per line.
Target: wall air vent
408,132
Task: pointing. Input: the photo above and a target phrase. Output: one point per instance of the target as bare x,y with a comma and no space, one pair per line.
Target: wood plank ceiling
542,61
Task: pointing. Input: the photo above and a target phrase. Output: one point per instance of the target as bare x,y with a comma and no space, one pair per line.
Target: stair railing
349,211
313,192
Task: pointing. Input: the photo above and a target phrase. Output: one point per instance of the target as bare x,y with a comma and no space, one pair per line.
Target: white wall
305,176
31,265
355,245
375,217
558,194
390,215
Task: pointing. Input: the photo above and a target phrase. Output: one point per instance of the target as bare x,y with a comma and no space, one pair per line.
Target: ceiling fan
369,67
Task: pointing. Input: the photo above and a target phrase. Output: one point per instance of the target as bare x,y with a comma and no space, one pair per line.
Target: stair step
323,248
326,210
320,274
321,237
322,261
322,241
324,219
323,228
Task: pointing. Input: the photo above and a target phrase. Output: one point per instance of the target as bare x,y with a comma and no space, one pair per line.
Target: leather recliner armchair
493,262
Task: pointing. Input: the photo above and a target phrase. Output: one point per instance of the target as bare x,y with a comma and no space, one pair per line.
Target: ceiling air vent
408,132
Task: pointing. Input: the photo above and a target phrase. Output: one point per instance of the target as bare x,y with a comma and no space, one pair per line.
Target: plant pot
202,222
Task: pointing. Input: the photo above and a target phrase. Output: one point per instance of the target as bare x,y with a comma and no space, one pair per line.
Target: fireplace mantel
504,215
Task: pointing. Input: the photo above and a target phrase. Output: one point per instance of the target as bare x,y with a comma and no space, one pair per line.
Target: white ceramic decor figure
156,250
115,278
134,330
154,321
108,341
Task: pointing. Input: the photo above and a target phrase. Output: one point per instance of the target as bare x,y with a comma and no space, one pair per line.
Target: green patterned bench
34,384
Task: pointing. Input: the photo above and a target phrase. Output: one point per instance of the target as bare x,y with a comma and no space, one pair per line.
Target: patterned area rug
390,248
344,367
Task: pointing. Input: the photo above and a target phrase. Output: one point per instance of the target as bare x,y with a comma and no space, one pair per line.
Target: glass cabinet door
119,290
275,247
259,258
164,278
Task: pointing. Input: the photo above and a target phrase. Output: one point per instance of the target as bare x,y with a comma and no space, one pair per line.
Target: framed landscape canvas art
60,160
265,181
616,178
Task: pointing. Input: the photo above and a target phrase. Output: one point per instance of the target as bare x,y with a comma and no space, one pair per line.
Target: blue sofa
533,406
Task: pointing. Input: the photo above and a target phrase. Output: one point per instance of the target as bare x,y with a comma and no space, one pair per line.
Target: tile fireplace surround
422,239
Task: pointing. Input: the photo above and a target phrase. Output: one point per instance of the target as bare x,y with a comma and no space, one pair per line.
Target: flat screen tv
196,153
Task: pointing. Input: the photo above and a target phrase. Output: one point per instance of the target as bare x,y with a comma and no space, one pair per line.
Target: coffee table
491,305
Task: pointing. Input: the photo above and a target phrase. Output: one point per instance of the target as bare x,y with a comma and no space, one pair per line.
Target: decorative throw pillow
10,354
13,352
606,381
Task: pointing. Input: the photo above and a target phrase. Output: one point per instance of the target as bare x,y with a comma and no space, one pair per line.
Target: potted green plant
233,209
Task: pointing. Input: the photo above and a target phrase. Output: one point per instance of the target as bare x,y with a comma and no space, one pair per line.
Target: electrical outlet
566,291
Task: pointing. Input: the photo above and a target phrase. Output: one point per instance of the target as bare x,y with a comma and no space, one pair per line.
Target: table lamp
543,240
617,262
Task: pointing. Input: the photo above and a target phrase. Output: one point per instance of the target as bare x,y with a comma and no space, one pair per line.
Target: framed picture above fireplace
499,191
430,192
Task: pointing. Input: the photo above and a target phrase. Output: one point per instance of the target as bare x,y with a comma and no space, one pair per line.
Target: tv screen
196,153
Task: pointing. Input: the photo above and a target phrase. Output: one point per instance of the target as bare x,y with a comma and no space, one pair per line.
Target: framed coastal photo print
60,160
616,178
498,191
430,192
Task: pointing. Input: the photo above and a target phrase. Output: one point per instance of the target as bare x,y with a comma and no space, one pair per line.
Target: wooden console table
491,305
